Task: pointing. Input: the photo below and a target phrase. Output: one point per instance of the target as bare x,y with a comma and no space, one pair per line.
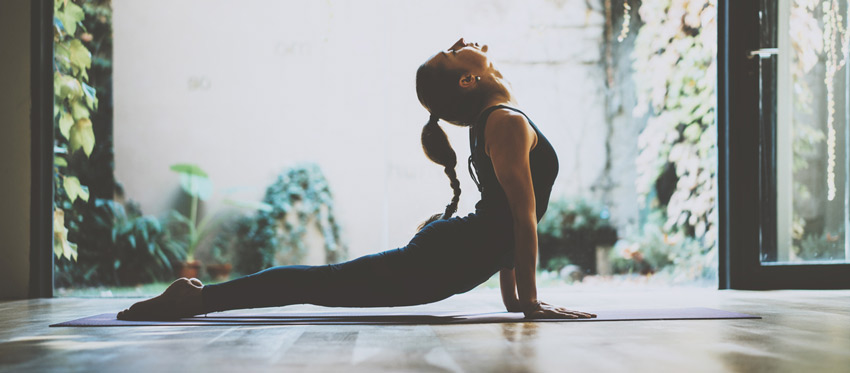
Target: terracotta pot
219,272
189,269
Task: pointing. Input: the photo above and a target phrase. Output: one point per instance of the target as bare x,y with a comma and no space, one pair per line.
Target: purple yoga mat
408,318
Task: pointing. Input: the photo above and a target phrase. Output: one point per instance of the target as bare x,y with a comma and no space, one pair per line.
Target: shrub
653,250
571,229
826,246
301,190
117,245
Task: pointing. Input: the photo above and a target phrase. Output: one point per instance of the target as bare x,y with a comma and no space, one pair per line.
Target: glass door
803,131
783,144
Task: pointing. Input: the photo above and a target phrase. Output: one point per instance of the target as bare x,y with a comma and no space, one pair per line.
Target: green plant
221,248
301,192
188,232
117,245
74,101
572,228
652,250
675,69
556,263
825,246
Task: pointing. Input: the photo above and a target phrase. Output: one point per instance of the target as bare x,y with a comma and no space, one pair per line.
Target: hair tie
433,119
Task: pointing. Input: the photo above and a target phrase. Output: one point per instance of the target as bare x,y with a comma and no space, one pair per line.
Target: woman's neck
507,100
501,93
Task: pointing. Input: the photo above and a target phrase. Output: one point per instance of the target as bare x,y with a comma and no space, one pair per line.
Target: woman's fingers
564,309
549,311
555,314
577,313
573,314
583,314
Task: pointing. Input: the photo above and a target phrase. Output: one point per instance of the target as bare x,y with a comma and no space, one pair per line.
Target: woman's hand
513,306
542,310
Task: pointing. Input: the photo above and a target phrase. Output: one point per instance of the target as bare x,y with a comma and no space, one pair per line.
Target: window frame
41,117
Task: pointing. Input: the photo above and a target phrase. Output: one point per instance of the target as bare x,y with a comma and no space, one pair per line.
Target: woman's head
455,84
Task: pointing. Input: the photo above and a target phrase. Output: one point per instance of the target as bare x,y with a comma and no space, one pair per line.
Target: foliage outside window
675,75
818,39
570,232
74,100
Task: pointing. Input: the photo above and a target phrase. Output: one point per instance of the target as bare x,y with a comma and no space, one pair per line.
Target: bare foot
181,299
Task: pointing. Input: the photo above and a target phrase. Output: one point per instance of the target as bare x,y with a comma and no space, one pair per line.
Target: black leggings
447,257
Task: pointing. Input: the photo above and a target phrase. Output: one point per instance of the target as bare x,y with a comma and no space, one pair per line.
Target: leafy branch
74,101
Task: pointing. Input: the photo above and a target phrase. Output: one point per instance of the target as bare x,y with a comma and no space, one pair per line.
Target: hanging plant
74,101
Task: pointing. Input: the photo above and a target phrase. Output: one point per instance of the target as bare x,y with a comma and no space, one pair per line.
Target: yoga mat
408,318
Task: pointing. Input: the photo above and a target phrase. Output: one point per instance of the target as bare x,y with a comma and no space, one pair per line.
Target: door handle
763,53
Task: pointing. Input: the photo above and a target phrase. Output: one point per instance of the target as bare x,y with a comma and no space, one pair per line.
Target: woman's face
469,57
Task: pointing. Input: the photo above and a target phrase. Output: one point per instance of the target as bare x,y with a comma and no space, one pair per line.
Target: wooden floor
801,331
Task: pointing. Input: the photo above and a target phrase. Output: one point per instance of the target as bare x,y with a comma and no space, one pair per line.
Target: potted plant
298,204
578,230
197,184
220,266
604,236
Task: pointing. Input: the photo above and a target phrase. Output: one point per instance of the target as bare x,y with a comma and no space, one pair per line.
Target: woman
515,169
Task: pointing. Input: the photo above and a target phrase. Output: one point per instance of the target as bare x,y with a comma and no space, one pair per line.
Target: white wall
15,148
247,88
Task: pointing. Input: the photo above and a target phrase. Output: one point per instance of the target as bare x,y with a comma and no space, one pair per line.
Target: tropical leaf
253,205
82,136
61,247
196,186
181,218
65,123
90,96
79,56
62,55
67,87
69,16
188,168
78,109
72,187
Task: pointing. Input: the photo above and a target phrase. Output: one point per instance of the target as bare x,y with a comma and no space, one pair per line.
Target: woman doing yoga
512,163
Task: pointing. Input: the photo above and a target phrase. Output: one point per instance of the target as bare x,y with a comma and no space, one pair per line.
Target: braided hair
438,149
438,91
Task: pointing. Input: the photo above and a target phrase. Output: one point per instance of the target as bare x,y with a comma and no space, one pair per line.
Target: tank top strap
476,131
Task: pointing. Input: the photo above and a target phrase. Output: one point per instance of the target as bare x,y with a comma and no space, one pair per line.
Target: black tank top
494,202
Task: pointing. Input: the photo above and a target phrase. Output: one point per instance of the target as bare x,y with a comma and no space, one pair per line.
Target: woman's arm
508,139
507,283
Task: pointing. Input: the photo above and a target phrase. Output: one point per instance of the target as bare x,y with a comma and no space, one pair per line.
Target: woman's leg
391,278
443,259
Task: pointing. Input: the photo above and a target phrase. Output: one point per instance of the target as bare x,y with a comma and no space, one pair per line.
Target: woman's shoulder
507,126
